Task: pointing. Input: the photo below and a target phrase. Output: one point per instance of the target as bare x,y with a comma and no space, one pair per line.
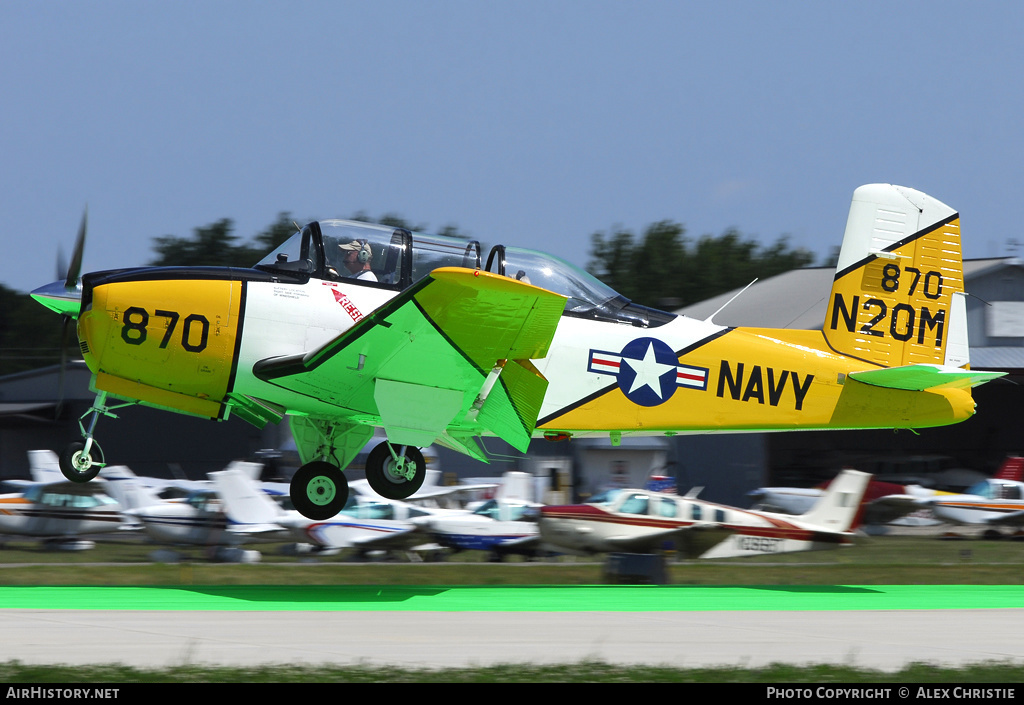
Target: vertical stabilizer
244,502
839,506
897,297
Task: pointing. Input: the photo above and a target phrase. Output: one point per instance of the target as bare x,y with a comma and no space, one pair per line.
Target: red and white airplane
638,521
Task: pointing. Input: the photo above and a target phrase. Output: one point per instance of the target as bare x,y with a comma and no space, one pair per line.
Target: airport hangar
34,413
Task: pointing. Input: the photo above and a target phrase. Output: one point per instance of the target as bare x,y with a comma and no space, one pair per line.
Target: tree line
662,267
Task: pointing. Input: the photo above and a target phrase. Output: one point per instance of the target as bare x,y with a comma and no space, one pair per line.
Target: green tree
664,269
212,245
30,336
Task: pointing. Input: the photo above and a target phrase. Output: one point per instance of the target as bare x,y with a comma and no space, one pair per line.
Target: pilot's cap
360,246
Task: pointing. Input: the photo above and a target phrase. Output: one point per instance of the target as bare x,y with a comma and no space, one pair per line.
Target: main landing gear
395,474
82,460
319,489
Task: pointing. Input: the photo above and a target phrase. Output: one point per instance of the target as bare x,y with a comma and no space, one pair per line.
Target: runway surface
882,627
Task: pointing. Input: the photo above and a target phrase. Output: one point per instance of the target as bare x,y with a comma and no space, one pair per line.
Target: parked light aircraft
364,524
884,502
503,525
58,512
640,521
997,501
434,346
499,526
199,518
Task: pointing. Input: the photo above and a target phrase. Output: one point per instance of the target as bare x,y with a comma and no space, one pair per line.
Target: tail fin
897,297
1011,469
244,501
127,489
44,466
839,506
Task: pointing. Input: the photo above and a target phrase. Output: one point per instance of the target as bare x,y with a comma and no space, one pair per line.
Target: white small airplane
58,512
503,525
998,501
199,519
365,524
640,521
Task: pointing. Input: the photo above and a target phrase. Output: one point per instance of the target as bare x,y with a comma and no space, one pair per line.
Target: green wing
420,365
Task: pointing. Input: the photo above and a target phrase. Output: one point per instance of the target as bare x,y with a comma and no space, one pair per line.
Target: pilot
357,260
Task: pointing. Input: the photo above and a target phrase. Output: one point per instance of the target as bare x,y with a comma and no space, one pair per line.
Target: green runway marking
582,598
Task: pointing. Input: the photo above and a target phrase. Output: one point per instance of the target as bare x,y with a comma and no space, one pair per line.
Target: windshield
588,296
488,509
549,272
606,497
982,489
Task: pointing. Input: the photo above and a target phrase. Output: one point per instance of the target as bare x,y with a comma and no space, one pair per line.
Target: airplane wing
339,534
423,364
691,541
892,507
1010,519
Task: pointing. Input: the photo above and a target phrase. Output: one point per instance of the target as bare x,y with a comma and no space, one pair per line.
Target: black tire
76,466
319,490
385,482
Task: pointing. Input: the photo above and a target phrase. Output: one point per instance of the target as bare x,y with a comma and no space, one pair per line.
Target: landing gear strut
395,474
82,460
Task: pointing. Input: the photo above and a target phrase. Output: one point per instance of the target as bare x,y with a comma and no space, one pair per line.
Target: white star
648,371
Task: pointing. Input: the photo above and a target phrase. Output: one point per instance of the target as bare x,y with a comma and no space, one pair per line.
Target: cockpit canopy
395,258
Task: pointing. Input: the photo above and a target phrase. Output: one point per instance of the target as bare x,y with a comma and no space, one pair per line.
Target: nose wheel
395,474
81,461
319,490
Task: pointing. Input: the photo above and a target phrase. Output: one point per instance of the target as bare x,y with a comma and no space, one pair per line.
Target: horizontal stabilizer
919,378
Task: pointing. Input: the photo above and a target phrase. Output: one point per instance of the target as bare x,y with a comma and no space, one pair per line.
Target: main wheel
78,466
319,490
387,479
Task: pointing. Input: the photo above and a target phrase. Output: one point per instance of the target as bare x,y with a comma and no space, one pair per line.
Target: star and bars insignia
648,371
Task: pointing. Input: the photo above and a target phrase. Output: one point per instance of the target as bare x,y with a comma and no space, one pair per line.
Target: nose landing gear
82,460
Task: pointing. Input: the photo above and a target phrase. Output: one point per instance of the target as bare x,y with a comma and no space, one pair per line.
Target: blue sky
526,123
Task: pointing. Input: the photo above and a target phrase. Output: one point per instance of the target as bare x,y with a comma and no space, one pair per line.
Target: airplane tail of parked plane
898,295
244,502
126,487
827,525
1011,469
838,509
44,466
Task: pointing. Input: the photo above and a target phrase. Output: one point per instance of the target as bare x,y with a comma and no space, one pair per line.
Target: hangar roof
798,299
795,299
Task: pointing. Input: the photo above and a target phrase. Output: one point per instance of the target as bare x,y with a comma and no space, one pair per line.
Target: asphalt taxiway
421,630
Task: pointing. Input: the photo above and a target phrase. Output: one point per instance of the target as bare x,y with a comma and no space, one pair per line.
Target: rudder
897,297
839,506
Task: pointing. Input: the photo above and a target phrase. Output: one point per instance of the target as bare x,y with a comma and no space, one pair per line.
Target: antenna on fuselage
738,293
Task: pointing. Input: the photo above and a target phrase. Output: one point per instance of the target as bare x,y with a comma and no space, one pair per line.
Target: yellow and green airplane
348,327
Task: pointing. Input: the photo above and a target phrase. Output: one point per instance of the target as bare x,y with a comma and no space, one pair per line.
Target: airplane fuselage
58,511
684,375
